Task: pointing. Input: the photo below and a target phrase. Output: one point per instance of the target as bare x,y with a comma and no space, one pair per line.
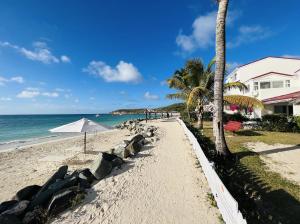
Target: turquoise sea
23,128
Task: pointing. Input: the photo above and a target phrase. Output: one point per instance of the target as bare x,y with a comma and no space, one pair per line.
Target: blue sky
97,56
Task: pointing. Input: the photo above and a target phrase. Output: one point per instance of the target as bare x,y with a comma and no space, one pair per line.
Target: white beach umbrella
82,126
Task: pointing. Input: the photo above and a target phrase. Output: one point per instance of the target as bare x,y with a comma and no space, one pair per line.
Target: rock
134,148
121,151
101,167
43,198
61,201
27,193
17,209
137,138
9,219
6,205
87,175
149,134
37,216
59,174
114,159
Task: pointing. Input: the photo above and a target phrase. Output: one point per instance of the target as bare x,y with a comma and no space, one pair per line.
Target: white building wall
296,110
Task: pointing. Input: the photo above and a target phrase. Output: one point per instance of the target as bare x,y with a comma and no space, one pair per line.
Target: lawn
279,195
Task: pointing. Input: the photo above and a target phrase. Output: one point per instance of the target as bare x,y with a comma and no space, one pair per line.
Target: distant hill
173,107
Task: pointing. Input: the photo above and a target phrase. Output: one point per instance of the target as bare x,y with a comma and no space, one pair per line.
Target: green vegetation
173,107
264,196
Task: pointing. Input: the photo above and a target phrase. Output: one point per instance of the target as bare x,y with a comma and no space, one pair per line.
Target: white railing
227,205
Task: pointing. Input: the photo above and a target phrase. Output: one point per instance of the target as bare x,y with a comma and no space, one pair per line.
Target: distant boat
97,115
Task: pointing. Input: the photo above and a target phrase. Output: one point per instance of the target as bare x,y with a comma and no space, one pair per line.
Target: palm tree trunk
220,141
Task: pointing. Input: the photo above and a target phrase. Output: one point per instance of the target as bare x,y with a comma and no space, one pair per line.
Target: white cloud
28,94
17,79
150,96
50,94
62,90
202,35
65,59
122,92
76,100
31,92
123,72
92,98
249,34
40,52
5,99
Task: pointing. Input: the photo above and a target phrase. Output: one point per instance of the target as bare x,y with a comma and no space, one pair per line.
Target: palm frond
237,85
176,83
195,94
210,65
243,101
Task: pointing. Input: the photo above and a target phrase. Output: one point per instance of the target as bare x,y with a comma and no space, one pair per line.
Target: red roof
290,96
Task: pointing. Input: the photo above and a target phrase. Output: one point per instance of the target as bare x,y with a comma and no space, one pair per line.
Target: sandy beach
162,184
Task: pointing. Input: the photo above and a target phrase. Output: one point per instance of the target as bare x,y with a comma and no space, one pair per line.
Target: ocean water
25,128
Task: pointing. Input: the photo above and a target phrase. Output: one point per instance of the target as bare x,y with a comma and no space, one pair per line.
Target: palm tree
202,80
218,130
195,85
180,81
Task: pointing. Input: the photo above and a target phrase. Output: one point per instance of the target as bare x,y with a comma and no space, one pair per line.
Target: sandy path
283,159
160,185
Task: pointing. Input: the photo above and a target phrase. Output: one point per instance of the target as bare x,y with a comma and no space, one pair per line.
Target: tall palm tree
202,80
195,85
218,130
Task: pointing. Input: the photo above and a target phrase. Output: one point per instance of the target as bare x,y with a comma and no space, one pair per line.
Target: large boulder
87,175
37,216
10,219
58,175
17,209
137,138
121,151
27,193
134,147
115,160
101,167
6,205
42,198
62,200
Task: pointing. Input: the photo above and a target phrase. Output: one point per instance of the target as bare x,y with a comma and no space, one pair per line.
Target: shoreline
14,146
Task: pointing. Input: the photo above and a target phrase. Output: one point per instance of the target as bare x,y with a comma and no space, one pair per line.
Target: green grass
281,194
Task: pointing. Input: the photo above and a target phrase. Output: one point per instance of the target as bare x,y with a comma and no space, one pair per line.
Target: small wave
22,141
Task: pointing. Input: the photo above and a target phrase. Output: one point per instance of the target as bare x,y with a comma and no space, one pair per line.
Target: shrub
297,120
234,117
279,122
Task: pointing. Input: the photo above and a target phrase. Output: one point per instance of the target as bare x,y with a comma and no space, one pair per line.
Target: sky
97,56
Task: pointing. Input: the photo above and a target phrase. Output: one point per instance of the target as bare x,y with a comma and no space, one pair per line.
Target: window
248,89
280,109
265,85
277,84
287,83
255,85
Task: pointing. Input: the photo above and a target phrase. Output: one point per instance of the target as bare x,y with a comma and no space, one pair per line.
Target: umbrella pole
84,147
